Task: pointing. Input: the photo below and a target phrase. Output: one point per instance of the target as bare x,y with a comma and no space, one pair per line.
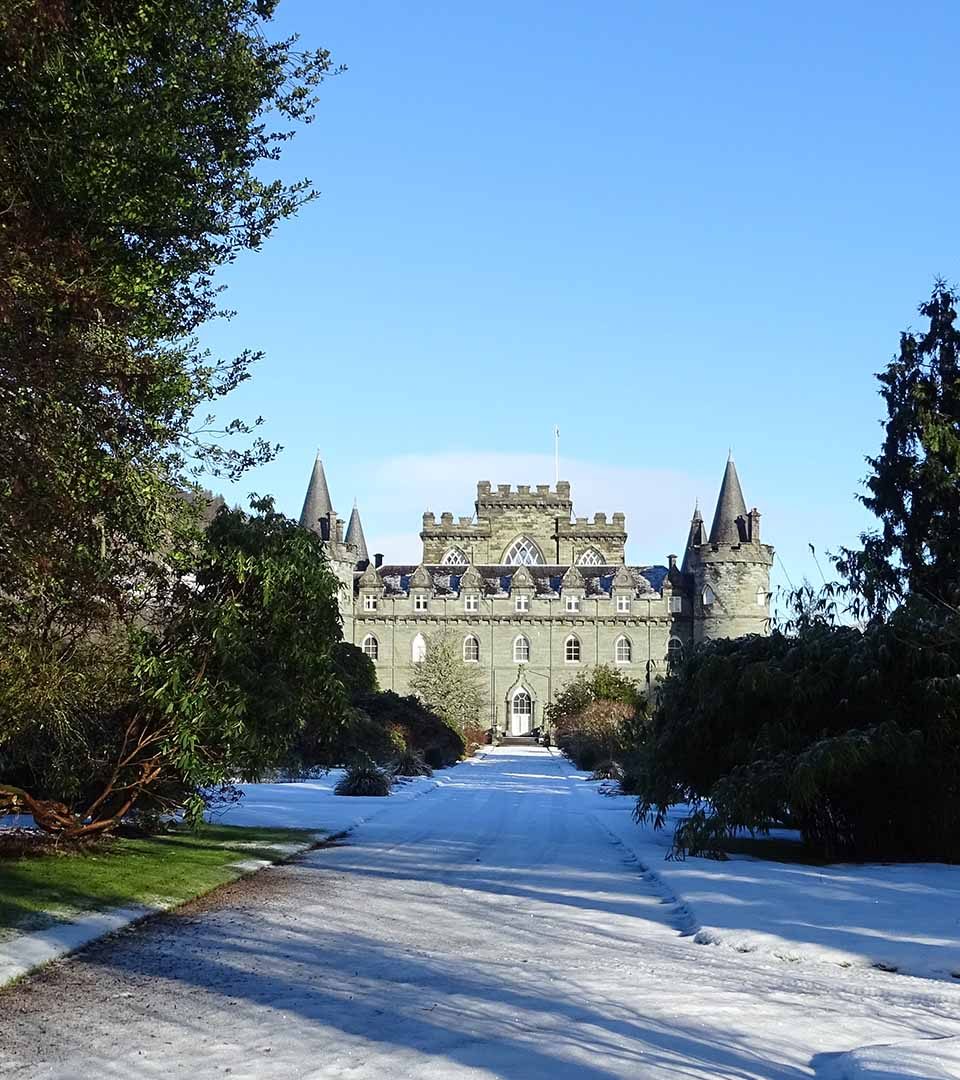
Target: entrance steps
518,740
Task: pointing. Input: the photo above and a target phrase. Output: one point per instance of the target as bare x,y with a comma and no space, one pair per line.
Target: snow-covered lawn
903,917
311,804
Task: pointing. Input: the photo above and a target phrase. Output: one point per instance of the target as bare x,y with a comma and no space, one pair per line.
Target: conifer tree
914,484
448,686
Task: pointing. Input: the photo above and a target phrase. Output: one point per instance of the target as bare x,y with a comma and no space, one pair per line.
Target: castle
533,594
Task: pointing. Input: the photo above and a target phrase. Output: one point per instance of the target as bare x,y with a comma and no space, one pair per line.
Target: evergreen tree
914,484
448,686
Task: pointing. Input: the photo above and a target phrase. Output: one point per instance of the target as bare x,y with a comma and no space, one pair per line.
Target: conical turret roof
355,535
317,504
730,506
695,538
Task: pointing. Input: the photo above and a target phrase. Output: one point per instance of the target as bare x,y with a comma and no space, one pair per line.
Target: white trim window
676,605
471,649
418,649
369,603
521,603
371,647
623,650
623,605
421,602
523,552
454,557
572,603
571,650
471,602
708,596
762,597
591,557
521,649
674,652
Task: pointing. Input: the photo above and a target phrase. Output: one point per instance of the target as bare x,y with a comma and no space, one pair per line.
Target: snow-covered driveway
490,928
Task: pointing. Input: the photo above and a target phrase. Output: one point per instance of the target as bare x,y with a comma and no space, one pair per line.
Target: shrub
850,736
422,730
596,734
364,778
607,769
410,763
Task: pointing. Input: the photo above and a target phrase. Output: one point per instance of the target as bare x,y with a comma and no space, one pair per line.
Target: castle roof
355,536
317,504
730,506
695,538
547,580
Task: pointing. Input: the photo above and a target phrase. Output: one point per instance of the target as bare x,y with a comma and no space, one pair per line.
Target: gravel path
488,929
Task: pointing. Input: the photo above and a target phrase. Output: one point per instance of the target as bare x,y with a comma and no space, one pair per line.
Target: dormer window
708,596
369,603
471,602
623,605
676,605
421,602
521,603
572,603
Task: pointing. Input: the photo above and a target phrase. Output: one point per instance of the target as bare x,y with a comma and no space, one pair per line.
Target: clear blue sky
667,228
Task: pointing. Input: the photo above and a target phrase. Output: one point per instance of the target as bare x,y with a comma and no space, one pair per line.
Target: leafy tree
914,484
134,136
598,717
242,656
448,686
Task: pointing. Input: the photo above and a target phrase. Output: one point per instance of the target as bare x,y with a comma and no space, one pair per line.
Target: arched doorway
521,712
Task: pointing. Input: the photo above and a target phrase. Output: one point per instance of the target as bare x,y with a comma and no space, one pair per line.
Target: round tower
730,568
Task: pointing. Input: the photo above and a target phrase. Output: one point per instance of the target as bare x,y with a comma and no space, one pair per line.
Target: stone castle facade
533,594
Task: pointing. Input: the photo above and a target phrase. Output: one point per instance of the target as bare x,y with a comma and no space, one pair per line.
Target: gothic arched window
708,596
591,557
418,650
623,650
471,649
521,650
674,652
371,647
454,557
571,649
523,552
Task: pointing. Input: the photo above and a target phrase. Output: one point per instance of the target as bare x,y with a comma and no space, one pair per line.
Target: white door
521,713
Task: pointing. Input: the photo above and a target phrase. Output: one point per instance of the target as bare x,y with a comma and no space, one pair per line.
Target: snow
925,1059
495,927
899,917
312,804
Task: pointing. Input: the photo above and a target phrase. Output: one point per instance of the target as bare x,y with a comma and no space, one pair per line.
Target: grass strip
39,890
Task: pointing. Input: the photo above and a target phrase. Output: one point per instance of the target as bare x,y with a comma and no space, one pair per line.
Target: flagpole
556,453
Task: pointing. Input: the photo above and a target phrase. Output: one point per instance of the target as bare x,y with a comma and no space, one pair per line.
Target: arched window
471,649
371,647
521,712
591,557
454,557
623,650
418,650
674,652
709,596
523,552
571,649
762,597
521,650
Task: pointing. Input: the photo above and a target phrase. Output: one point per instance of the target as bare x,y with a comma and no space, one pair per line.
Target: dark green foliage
234,664
134,137
607,769
422,731
913,486
597,717
852,737
356,670
410,763
364,778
